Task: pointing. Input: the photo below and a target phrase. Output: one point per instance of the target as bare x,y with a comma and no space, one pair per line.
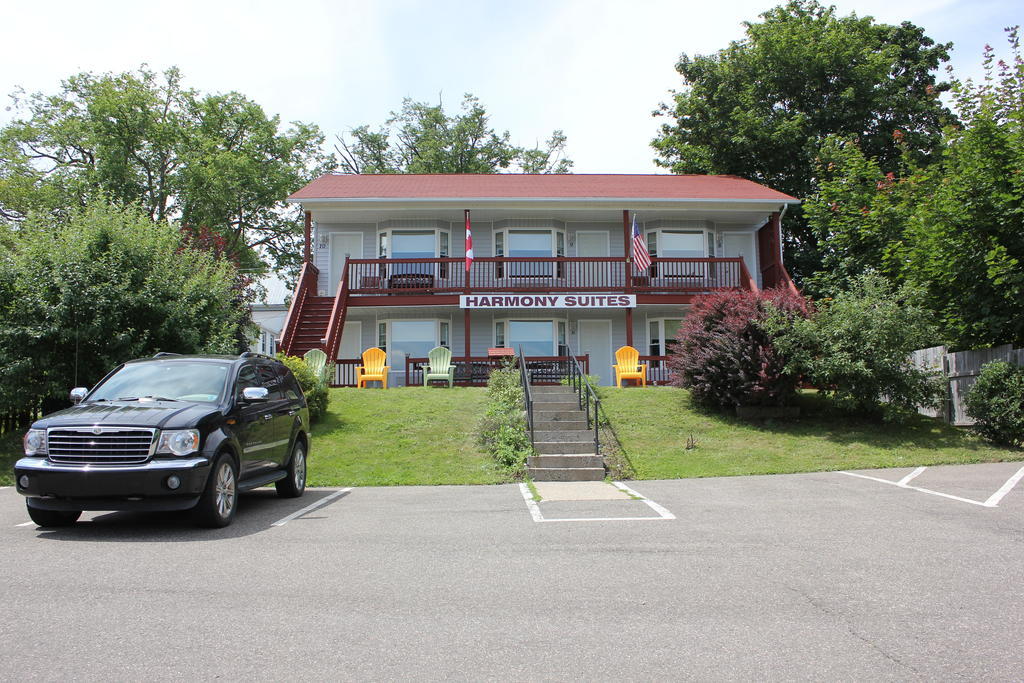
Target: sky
593,68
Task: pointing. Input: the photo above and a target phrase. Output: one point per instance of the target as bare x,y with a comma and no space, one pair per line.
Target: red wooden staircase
311,329
315,322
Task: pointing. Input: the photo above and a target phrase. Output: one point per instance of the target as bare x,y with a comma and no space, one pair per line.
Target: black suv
169,433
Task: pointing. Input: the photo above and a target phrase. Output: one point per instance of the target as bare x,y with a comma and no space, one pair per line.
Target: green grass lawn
409,435
653,425
369,437
417,435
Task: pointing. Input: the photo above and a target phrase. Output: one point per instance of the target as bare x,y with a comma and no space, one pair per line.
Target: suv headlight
180,442
35,442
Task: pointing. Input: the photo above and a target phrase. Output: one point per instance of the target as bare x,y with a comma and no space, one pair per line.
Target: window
246,378
680,243
270,379
413,244
537,337
525,243
662,335
411,339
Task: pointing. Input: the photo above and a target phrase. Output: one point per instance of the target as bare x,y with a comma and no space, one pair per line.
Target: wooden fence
961,370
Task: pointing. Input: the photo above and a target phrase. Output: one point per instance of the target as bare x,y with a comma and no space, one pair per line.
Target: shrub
996,402
856,348
725,356
107,285
503,428
317,395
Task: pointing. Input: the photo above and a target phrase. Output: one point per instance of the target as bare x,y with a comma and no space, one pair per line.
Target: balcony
557,274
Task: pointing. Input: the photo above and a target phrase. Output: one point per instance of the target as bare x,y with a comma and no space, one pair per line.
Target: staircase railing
524,377
305,284
337,319
587,396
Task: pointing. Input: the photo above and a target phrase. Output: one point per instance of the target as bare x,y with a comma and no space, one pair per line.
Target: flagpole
465,312
627,236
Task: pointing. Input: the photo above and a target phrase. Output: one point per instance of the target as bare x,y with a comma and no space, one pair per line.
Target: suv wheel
46,518
217,505
294,484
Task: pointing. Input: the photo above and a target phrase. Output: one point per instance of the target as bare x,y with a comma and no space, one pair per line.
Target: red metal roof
546,186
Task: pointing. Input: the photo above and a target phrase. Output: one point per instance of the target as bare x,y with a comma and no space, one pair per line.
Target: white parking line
309,508
994,499
535,512
665,514
26,524
905,480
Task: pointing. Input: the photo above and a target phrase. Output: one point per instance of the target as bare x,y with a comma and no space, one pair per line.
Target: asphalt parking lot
814,576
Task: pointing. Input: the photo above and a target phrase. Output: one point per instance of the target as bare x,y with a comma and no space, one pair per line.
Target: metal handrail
524,376
585,393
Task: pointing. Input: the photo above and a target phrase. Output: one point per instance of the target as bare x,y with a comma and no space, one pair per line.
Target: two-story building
552,268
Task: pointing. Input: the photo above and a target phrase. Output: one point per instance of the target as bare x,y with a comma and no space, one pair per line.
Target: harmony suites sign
547,301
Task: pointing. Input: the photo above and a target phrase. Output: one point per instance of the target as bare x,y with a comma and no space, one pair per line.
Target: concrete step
564,447
553,390
555,414
558,425
556,407
553,397
562,461
563,435
566,473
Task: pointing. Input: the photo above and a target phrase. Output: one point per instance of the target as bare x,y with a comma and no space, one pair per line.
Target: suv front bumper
54,486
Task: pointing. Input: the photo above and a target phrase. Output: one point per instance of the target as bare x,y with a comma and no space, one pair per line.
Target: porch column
629,327
777,233
305,243
627,239
465,319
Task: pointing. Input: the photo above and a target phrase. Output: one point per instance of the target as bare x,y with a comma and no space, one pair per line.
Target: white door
351,347
593,243
351,340
343,245
595,340
740,244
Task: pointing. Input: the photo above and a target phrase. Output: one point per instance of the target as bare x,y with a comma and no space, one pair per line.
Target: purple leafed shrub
723,354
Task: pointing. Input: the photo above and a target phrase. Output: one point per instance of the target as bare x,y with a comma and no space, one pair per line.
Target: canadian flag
469,243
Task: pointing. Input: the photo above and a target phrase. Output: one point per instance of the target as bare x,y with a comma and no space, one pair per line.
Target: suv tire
50,518
294,484
217,505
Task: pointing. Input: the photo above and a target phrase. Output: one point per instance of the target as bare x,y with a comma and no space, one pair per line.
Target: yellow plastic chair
373,368
628,366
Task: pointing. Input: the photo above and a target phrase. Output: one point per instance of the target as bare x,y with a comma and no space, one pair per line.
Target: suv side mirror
78,394
254,394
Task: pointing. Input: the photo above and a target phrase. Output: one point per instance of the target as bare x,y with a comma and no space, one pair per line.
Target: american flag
469,243
641,258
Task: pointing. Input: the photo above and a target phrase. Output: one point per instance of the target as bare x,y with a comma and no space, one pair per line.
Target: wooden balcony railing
555,274
475,370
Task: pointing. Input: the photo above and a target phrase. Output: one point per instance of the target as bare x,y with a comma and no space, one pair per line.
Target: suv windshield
174,380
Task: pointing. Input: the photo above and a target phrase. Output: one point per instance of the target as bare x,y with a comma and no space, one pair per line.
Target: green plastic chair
440,366
317,362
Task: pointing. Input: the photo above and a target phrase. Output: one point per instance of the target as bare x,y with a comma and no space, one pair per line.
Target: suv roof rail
253,354
160,354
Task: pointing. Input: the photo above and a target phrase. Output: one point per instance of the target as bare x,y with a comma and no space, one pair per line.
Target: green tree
855,347
955,228
422,138
215,161
761,107
77,297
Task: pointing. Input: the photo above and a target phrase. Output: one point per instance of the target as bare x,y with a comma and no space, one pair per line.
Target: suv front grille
100,445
